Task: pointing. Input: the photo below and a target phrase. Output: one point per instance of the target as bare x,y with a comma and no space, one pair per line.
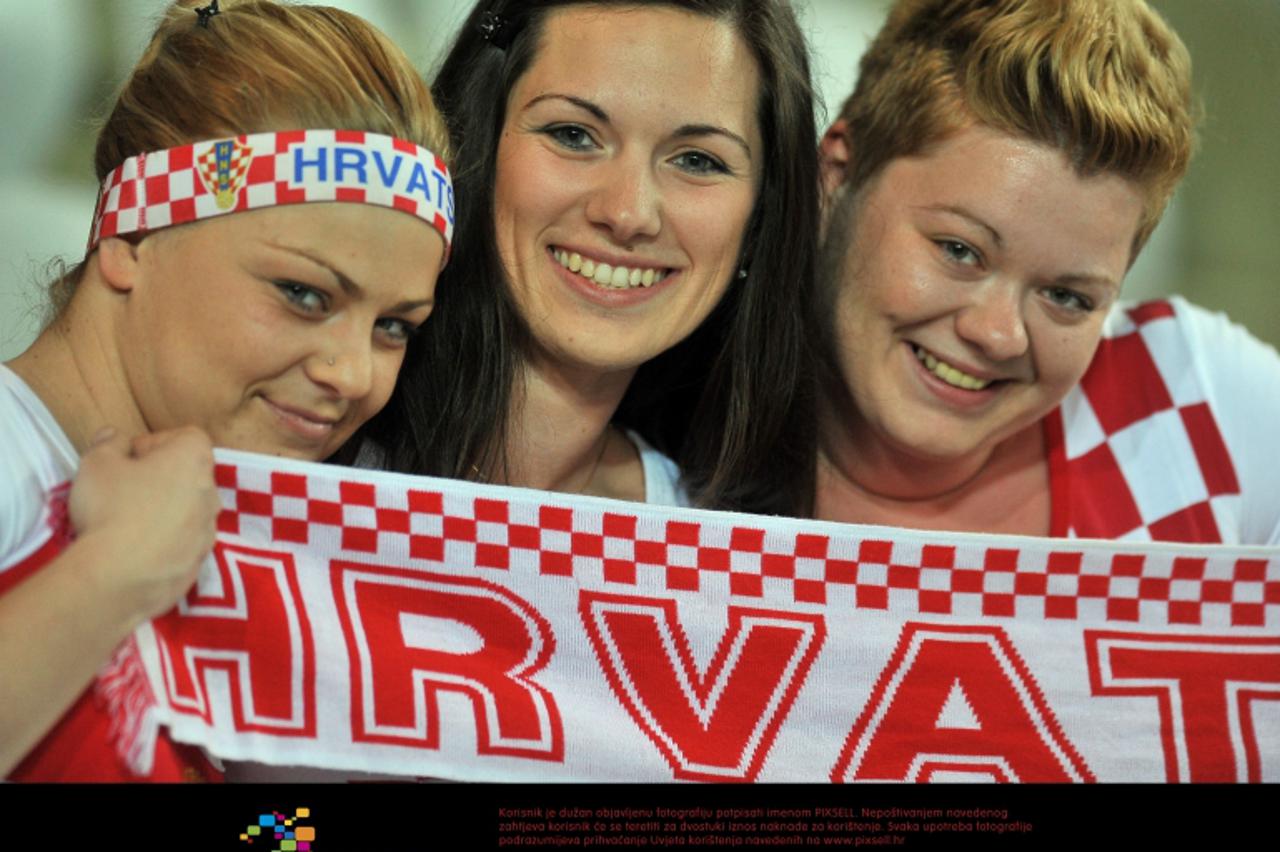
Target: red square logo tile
426,547
997,605
679,532
426,502
558,564
1100,504
1186,568
524,537
357,493
1093,586
1064,563
966,581
1184,612
997,559
1127,565
620,571
811,591
713,559
1248,615
1153,589
811,546
937,556
651,552
935,600
1122,609
587,544
459,529
747,585
289,529
493,511
840,571
1250,570
777,565
553,518
492,556
1123,384
873,597
360,539
1059,606
392,520
1030,584
253,503
619,526
682,579
288,484
746,540
877,552
904,577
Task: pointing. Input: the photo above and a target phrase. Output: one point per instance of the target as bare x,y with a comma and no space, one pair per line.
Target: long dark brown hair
733,403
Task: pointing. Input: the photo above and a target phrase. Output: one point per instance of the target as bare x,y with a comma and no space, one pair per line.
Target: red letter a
957,701
716,726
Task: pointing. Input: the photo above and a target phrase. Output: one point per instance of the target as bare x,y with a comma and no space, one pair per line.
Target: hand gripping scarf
377,622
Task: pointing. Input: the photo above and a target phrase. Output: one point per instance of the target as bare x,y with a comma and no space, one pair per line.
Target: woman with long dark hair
637,235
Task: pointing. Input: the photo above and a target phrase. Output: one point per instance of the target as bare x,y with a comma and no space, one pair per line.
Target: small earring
742,273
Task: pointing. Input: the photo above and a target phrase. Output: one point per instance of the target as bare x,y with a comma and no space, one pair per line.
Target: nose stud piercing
331,361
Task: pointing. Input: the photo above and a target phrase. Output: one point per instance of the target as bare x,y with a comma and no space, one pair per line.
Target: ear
833,157
118,263
833,168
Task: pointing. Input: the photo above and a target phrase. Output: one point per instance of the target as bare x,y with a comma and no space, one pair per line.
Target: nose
343,364
993,321
626,200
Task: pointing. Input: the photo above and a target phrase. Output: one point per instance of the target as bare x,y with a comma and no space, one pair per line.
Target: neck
1004,489
559,437
75,368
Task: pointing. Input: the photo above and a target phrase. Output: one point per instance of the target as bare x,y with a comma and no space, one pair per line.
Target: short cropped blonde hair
1105,81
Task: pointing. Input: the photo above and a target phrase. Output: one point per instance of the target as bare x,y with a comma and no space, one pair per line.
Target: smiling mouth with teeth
605,275
949,374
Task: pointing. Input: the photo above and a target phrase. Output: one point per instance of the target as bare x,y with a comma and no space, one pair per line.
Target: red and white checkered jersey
37,462
1168,435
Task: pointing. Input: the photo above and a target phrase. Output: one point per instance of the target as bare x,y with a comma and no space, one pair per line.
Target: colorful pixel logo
289,834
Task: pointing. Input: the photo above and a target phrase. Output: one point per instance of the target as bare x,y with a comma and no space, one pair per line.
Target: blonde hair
261,66
1105,81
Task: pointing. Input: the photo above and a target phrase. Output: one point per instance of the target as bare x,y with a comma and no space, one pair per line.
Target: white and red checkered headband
155,190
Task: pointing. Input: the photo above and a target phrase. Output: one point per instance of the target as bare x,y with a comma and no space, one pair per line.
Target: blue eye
571,136
397,332
700,163
307,299
959,252
1069,299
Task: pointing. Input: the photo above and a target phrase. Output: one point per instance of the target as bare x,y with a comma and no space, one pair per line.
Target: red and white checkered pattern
787,562
156,190
1135,450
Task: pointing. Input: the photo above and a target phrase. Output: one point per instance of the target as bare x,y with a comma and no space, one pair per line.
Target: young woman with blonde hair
213,308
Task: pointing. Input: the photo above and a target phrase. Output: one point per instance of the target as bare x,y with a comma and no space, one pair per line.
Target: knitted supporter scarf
377,622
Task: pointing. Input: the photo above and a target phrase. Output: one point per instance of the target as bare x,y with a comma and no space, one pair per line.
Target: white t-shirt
35,458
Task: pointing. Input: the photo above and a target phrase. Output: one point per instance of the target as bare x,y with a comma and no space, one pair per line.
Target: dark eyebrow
581,103
683,132
350,287
688,130
963,213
